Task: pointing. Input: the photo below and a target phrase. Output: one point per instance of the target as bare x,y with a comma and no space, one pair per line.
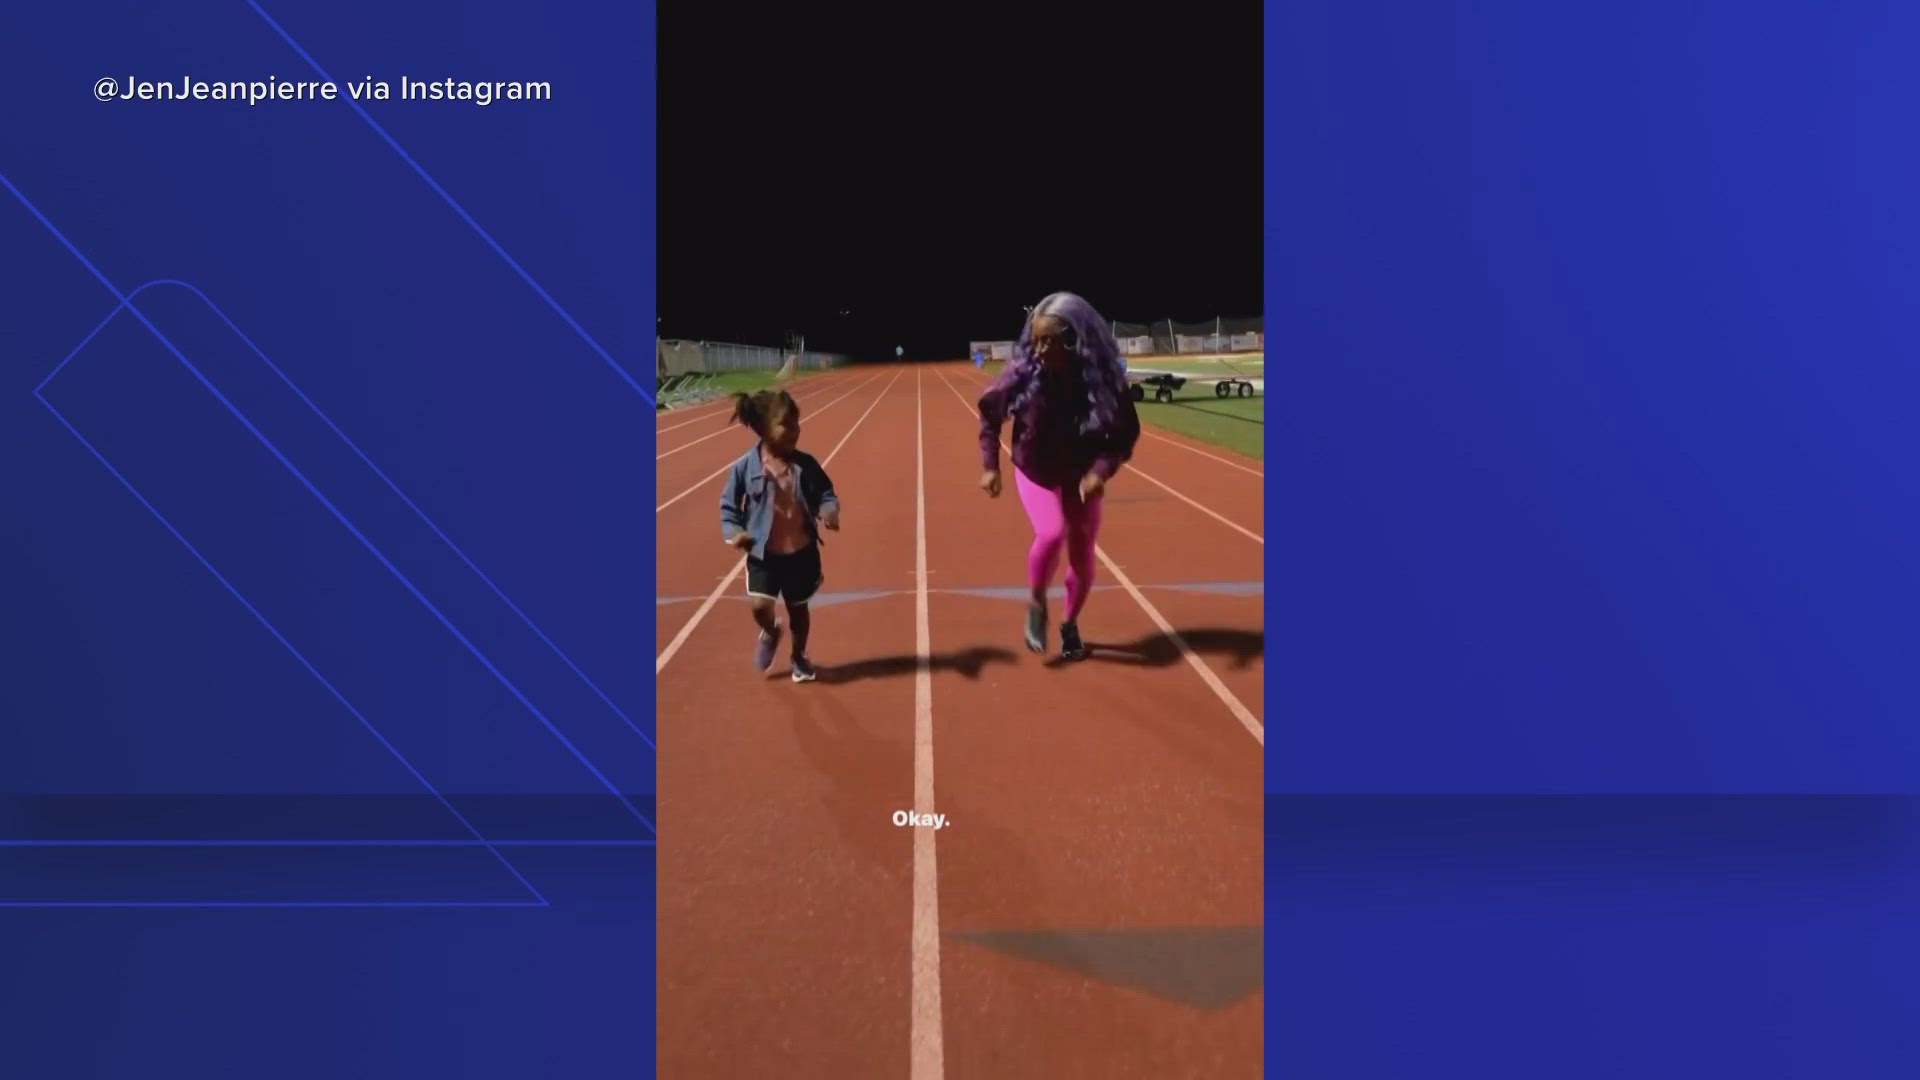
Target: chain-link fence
1218,336
1163,338
1136,339
682,357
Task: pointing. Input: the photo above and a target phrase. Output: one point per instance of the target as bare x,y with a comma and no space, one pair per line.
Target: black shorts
795,576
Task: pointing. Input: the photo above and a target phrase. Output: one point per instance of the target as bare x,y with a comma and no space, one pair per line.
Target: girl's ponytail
750,412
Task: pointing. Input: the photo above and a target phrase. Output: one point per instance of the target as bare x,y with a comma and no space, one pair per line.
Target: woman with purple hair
1074,425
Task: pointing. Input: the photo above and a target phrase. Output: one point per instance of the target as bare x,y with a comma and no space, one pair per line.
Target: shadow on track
1160,650
968,662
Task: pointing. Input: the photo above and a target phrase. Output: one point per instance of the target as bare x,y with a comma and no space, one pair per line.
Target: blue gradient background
131,669
1598,426
1593,450
1593,936
1596,396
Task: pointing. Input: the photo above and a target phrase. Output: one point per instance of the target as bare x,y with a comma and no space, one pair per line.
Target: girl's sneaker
1071,647
769,644
803,670
1037,628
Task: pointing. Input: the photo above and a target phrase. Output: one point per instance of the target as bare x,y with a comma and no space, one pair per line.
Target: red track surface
1099,882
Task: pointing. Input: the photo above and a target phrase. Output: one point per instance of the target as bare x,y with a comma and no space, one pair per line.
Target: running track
1094,906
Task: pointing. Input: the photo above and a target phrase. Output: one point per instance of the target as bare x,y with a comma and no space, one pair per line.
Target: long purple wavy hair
1091,340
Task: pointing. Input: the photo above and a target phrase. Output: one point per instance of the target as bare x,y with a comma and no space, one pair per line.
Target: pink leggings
1060,517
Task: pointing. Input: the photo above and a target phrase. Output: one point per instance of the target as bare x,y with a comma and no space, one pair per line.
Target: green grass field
747,382
1239,424
1252,365
1236,423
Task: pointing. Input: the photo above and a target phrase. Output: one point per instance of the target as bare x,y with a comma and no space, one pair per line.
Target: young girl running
775,501
1074,425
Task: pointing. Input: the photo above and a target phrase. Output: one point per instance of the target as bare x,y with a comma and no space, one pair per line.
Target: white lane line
1203,453
692,419
696,442
1248,533
679,639
1240,711
715,475
1135,470
926,1038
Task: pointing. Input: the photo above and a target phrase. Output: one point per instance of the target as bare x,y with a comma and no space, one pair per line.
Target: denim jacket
746,504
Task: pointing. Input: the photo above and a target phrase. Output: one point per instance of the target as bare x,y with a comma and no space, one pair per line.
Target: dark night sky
933,177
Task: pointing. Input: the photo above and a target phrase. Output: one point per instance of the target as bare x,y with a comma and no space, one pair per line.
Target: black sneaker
1071,647
803,670
1037,628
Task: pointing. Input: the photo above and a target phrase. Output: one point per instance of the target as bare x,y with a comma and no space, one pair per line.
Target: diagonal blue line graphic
124,302
457,208
377,471
480,840
297,655
500,676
